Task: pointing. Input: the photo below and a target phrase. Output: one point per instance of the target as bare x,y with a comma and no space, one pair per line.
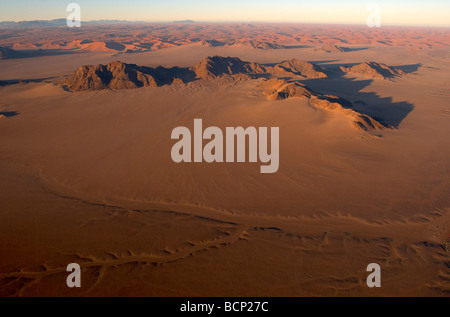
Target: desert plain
87,175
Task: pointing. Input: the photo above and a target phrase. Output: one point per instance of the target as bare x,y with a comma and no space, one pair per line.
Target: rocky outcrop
331,48
373,70
263,45
302,68
118,75
212,43
216,66
278,89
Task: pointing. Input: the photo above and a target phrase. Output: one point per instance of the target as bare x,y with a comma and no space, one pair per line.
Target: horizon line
189,21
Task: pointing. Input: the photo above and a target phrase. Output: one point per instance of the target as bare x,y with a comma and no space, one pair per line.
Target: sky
393,12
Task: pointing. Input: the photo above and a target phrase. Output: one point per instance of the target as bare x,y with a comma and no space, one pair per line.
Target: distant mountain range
184,21
54,23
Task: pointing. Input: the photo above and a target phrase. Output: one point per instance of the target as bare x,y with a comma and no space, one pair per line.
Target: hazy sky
403,12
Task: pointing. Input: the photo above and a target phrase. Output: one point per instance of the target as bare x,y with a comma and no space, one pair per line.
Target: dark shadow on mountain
355,49
213,43
270,64
296,46
42,52
164,76
146,45
324,62
409,68
388,43
8,114
334,70
115,46
128,52
23,81
383,109
333,48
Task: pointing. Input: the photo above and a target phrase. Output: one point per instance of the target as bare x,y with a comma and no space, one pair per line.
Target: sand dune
121,38
19,46
87,177
118,75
